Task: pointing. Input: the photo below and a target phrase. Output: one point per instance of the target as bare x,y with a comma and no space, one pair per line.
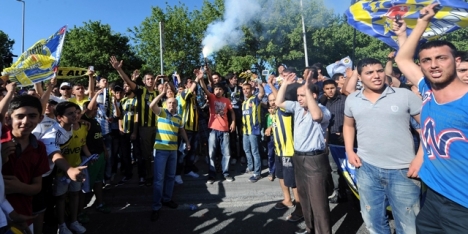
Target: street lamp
22,40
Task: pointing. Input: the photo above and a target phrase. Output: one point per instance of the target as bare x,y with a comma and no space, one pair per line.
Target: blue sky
44,17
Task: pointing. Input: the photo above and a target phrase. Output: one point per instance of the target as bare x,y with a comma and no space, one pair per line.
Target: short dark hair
319,66
52,102
63,106
439,43
463,55
185,82
247,84
313,88
396,70
216,74
290,70
180,86
314,72
230,76
336,76
24,101
218,85
327,82
365,62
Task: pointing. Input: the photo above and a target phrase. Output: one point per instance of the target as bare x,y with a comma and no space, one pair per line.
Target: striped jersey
146,117
188,104
167,131
282,128
251,118
128,110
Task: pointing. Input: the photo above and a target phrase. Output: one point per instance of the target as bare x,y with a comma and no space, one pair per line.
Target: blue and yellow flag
375,18
39,62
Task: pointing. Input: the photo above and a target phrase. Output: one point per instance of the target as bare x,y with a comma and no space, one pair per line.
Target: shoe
233,161
77,227
334,198
141,182
302,231
178,179
271,177
229,178
254,178
210,180
247,171
154,215
63,229
107,184
103,209
264,162
294,218
171,204
83,217
192,174
281,206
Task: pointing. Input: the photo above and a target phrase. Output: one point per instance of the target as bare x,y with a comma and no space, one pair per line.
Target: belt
310,153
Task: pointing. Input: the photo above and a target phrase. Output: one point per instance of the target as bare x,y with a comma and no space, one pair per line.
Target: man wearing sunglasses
65,91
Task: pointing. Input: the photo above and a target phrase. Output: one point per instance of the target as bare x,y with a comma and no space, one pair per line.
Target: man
251,129
381,114
462,68
311,166
335,103
147,119
443,128
234,93
65,91
81,95
218,123
170,125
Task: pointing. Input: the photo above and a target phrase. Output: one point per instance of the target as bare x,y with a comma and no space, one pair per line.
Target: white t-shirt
55,139
43,126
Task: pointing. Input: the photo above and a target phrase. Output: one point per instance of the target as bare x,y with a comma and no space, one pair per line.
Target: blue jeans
165,162
252,154
215,140
379,187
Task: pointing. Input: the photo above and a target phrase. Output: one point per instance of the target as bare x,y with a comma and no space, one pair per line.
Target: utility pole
304,37
22,40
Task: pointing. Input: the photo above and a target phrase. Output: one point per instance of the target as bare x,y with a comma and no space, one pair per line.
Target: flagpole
353,57
304,37
161,46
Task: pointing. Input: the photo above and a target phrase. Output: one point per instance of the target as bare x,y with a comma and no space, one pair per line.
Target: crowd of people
63,144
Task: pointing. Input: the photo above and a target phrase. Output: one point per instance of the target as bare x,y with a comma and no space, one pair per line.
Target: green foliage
6,47
92,45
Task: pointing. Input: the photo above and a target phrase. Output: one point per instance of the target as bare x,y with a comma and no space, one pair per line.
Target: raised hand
115,63
399,27
428,12
11,87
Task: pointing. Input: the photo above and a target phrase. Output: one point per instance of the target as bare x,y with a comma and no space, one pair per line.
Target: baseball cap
65,84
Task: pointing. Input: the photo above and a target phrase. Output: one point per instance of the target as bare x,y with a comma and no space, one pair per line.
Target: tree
92,45
6,47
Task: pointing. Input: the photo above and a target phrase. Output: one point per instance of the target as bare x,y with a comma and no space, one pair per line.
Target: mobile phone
91,68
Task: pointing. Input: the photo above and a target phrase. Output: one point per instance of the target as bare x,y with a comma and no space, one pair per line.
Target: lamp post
22,40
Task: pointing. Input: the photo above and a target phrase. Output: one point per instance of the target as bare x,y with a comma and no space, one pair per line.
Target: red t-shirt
219,108
31,163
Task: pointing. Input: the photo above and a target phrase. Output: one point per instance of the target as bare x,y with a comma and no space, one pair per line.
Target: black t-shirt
236,96
94,140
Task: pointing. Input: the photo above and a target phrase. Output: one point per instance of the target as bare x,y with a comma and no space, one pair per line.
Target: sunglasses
65,88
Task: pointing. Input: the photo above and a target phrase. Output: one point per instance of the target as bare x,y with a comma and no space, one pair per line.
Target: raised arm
46,95
389,64
261,91
271,78
11,88
314,109
350,83
90,91
202,82
154,104
280,98
118,67
93,103
404,58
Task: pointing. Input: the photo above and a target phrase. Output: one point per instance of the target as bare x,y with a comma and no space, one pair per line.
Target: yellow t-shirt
73,152
79,103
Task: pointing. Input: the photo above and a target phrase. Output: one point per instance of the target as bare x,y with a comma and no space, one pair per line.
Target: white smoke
229,30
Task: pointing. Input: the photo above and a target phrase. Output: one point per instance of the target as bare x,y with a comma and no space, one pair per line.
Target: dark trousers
271,155
126,154
185,159
441,215
116,150
147,138
236,137
313,186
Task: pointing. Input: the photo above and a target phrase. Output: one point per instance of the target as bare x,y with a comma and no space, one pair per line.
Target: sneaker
77,227
178,179
154,215
233,161
63,229
192,174
171,204
210,180
229,178
281,206
254,178
294,217
103,209
141,182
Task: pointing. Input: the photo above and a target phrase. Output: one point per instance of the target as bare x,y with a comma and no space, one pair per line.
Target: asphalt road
239,207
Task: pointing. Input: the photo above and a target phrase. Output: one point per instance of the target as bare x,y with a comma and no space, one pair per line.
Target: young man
170,125
147,120
72,154
27,157
382,160
311,166
443,127
218,123
251,129
81,95
234,93
462,68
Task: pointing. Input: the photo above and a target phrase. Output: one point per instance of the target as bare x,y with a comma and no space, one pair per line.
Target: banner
340,66
39,62
71,72
347,170
375,18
